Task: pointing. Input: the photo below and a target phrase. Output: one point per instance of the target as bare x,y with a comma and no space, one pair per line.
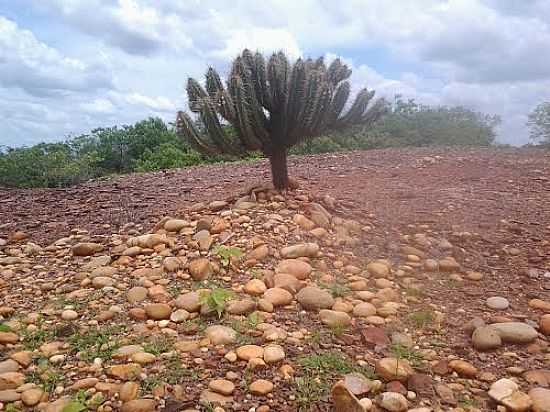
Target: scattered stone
261,387
545,324
248,352
32,397
497,303
486,338
255,287
221,335
541,399
158,311
344,400
8,337
125,372
200,269
86,249
314,298
278,297
334,319
392,369
515,332
139,405
300,250
393,402
222,386
273,353
364,310
378,269
295,267
463,368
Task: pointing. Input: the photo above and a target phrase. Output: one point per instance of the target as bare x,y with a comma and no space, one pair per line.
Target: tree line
152,144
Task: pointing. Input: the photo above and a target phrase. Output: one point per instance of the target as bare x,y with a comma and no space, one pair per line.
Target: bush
166,156
46,165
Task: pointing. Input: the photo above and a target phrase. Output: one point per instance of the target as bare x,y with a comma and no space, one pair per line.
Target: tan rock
222,386
255,287
129,391
333,318
295,267
125,372
300,250
158,311
273,353
278,296
139,405
86,249
463,368
32,396
261,387
200,269
248,352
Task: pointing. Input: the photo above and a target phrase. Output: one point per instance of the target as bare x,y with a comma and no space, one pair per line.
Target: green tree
273,106
539,123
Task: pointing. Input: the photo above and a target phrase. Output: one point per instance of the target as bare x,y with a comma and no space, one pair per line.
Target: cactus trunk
279,171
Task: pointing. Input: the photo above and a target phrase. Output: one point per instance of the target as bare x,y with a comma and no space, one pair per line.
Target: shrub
166,156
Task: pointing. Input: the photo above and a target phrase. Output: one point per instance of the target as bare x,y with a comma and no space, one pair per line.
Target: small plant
159,344
96,342
338,330
402,352
33,339
309,391
78,404
415,292
336,289
45,376
4,328
227,254
216,299
422,318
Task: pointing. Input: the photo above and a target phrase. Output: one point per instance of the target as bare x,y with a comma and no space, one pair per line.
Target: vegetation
151,145
272,106
539,123
216,299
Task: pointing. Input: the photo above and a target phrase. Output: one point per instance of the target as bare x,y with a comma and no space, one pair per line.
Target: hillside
382,269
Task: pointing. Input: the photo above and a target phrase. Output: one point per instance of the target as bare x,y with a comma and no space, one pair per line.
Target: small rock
463,368
314,298
344,400
125,372
392,369
129,391
501,389
200,269
515,332
69,315
300,250
136,294
158,311
541,399
255,287
139,405
86,249
248,352
273,353
261,387
222,386
333,318
486,338
32,396
295,267
221,335
393,402
278,296
497,303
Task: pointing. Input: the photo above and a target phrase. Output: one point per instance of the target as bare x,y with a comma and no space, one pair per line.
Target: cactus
273,106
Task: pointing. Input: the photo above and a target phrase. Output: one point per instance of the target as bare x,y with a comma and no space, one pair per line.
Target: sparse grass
10,407
319,370
422,318
96,342
336,289
159,344
4,328
226,254
33,339
45,376
173,373
216,299
402,352
338,330
415,292
315,337
467,403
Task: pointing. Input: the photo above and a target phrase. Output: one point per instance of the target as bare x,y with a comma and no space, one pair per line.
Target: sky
69,66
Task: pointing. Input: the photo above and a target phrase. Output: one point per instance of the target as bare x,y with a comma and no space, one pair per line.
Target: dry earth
404,254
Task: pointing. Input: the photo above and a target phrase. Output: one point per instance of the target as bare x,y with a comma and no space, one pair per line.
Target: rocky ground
390,281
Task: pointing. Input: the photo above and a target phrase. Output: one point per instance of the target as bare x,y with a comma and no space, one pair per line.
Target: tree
539,123
272,107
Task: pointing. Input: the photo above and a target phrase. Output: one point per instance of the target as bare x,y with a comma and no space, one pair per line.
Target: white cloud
132,57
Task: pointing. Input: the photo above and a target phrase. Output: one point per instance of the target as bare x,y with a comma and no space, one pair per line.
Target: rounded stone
314,298
364,310
486,338
221,335
393,402
158,311
497,303
278,296
273,353
136,294
248,352
222,386
32,396
333,318
255,287
392,369
261,387
69,315
295,267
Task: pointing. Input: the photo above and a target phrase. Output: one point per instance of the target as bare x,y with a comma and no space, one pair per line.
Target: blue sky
68,66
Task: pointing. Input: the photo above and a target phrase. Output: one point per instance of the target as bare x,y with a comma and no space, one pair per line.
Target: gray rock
486,338
515,332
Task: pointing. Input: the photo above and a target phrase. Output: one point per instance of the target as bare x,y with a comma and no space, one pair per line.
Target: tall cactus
273,106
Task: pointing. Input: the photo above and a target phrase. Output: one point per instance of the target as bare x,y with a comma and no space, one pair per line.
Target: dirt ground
493,205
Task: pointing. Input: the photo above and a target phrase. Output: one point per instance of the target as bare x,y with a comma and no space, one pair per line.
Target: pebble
261,387
497,303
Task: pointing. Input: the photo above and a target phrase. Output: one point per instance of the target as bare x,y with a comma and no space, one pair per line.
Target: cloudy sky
68,66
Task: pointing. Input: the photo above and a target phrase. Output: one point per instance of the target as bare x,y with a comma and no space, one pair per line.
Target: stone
541,399
8,338
378,269
446,394
24,358
334,319
278,296
357,383
497,303
32,397
143,358
189,301
375,336
125,372
300,250
158,311
102,281
129,391
217,205
248,352
421,384
515,332
518,402
175,225
393,402
486,338
200,269
303,222
259,253
273,353
208,396
204,239
139,405
11,380
544,324
126,351
538,377
69,315
463,368
241,307
222,386
86,249
221,335
314,298
179,316
148,241
255,287
540,305
9,395
261,387
364,309
85,383
392,369
344,400
287,282
295,267
9,365
501,389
